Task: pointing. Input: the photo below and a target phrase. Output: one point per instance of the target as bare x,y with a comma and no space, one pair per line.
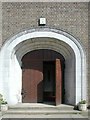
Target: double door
42,82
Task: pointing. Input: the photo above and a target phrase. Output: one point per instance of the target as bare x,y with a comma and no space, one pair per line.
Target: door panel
58,82
32,82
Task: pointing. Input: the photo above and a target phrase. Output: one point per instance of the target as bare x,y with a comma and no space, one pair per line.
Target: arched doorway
16,47
43,77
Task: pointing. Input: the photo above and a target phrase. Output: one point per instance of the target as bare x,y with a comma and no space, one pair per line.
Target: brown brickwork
70,17
89,54
0,24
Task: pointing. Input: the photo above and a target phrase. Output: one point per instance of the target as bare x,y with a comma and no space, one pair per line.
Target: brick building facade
69,20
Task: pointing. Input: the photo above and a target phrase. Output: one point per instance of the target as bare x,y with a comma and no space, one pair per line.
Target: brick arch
8,58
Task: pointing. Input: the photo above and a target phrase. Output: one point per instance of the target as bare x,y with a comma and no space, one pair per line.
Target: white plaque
42,21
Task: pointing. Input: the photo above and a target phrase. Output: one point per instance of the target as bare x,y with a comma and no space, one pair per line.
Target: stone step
41,107
35,108
45,112
44,116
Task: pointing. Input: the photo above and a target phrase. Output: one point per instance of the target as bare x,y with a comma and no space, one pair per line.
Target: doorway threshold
41,105
49,103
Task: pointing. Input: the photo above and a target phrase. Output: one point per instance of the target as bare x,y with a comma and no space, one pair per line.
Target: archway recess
16,47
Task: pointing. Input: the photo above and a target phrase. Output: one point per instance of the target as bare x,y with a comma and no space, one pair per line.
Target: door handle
23,93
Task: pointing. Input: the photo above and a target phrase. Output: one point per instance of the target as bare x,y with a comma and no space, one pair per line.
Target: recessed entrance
49,86
15,48
42,77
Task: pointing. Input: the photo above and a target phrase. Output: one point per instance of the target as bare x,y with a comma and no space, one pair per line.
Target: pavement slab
44,119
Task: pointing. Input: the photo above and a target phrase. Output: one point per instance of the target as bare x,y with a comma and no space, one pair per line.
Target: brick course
70,17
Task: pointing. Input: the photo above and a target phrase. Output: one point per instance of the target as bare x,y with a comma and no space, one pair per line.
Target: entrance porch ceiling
43,43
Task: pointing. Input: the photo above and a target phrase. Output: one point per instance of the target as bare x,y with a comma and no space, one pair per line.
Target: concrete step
41,109
42,112
44,117
30,106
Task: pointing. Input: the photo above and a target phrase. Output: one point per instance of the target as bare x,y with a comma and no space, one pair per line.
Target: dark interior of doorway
49,82
49,76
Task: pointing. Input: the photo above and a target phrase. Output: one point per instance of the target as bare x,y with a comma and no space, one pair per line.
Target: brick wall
89,54
70,17
0,24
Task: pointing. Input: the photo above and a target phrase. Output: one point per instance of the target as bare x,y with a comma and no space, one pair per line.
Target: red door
33,86
35,77
32,77
58,82
25,84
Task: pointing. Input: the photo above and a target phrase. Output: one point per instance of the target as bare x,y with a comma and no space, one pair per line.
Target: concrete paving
4,116
44,116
